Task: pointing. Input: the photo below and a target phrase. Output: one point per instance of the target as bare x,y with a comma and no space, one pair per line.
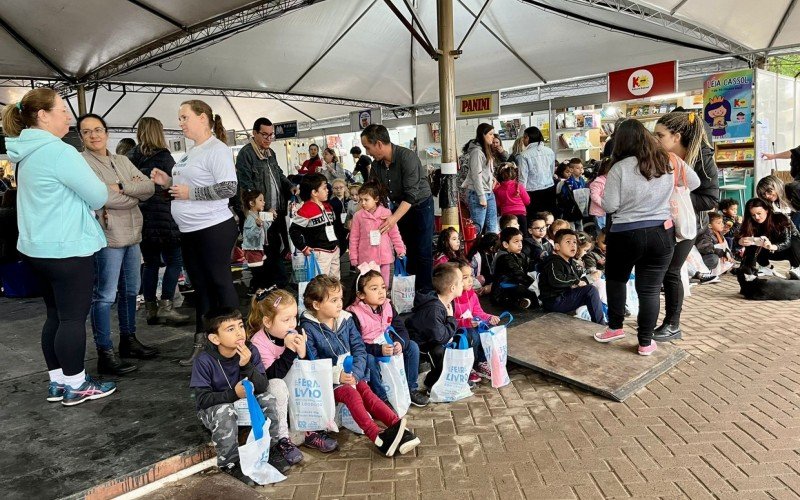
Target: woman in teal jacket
58,235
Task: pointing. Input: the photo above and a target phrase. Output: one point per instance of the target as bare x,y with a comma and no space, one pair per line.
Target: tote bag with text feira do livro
312,271
494,341
402,287
311,403
453,384
254,455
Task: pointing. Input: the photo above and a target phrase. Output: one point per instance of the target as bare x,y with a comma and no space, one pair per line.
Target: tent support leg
447,99
81,100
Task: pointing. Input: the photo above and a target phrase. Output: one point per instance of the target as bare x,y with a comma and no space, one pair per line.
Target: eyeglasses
97,131
542,228
266,135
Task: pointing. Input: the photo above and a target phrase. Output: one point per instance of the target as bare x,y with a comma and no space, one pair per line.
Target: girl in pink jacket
468,312
596,190
510,195
367,244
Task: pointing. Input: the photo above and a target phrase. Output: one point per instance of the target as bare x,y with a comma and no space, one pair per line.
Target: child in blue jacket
332,334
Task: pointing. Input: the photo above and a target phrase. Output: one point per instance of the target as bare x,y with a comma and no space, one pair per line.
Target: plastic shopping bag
453,384
298,266
254,455
632,299
402,287
345,419
312,270
311,403
680,203
695,262
494,341
291,210
393,375
581,196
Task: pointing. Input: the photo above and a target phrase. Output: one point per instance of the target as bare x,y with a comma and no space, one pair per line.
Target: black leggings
207,259
673,286
67,291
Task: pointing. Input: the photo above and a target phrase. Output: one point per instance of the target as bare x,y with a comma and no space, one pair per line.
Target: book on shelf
580,120
588,121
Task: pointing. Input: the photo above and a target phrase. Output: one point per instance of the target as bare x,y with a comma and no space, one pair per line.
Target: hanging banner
727,101
643,81
359,120
478,105
286,130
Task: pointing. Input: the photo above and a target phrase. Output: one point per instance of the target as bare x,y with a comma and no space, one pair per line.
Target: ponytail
219,129
24,114
693,134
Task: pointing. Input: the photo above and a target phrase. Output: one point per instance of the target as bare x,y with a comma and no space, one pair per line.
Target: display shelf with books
734,154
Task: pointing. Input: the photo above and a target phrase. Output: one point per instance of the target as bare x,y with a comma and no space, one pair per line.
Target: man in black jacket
399,170
258,169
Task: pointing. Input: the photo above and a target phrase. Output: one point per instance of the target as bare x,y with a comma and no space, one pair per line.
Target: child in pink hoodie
596,190
510,195
468,312
367,244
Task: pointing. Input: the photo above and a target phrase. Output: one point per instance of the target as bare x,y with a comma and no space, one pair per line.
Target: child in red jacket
510,195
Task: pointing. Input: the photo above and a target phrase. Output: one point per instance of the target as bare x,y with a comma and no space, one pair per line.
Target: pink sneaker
483,370
609,335
648,350
474,377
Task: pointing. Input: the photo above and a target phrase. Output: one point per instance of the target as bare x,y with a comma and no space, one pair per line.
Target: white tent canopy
326,58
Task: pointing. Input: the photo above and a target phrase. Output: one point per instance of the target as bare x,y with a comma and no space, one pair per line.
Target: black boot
109,364
667,332
199,343
130,347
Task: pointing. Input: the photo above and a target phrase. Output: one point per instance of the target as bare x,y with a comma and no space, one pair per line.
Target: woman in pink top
596,190
367,243
510,195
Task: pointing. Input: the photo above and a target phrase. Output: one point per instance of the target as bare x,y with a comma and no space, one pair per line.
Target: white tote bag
403,291
312,270
393,375
453,384
680,203
254,454
345,419
311,403
494,341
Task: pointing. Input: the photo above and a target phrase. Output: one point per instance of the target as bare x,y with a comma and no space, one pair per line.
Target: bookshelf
735,154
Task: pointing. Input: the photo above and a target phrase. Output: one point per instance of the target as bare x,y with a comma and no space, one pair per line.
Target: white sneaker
794,273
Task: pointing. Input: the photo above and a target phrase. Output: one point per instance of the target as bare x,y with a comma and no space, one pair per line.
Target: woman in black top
769,236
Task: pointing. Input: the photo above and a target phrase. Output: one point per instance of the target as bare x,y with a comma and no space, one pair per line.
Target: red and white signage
644,81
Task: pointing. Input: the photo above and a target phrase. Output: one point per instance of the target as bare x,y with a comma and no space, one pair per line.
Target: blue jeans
477,347
574,298
154,254
483,217
411,362
416,228
116,272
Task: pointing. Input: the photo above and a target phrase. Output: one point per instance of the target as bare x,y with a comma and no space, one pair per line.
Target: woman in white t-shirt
201,184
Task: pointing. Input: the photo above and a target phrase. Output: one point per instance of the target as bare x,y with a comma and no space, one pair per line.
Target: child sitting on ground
536,247
271,323
254,232
509,221
468,312
585,247
511,279
312,228
448,247
373,313
595,258
731,220
481,258
367,242
432,324
711,243
548,218
332,334
555,227
217,375
562,286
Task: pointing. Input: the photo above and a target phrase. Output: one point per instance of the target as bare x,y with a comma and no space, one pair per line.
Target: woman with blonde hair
161,238
200,185
58,235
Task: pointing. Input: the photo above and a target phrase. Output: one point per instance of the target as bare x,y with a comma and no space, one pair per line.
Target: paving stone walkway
725,423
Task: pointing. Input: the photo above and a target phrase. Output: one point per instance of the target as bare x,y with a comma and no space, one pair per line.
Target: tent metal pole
115,102
147,108
81,100
504,44
415,18
94,96
675,9
334,44
425,45
33,50
474,23
158,14
246,130
447,99
295,108
781,24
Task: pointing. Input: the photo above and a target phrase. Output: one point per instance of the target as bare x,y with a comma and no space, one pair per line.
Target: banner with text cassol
485,104
727,104
643,81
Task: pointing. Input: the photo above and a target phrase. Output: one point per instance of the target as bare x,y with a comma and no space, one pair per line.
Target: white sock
56,376
76,380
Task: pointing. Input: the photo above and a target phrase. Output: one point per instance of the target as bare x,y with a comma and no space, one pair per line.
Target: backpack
566,207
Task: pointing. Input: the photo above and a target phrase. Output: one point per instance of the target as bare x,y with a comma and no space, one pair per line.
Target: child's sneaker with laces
649,349
89,389
290,451
55,392
609,335
235,470
320,441
483,369
389,440
474,377
277,460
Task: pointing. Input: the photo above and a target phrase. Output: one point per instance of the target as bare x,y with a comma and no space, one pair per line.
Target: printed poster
727,104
